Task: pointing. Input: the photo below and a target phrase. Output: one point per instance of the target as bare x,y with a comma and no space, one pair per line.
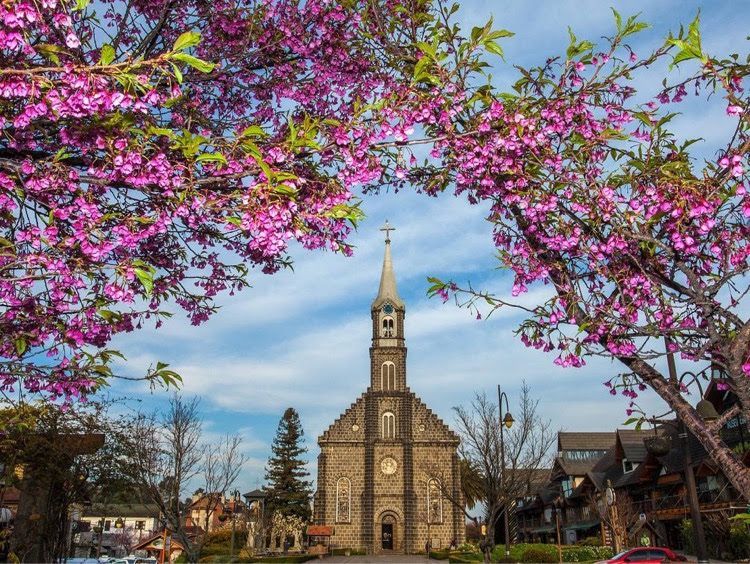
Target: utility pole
695,511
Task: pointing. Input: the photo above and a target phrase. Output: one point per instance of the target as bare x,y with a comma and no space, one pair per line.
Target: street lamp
505,422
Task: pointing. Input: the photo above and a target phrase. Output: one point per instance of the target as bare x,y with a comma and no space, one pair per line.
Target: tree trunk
730,464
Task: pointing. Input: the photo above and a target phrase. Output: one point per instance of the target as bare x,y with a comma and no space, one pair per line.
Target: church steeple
388,351
387,291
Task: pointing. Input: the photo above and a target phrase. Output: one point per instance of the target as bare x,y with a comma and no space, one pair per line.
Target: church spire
387,291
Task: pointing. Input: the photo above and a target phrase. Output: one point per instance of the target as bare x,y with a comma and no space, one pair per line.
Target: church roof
435,429
387,290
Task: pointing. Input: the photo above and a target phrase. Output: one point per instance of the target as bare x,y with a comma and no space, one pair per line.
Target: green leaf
195,62
631,420
177,73
50,51
186,40
690,46
161,131
426,48
493,47
20,345
146,276
618,19
500,33
420,69
81,5
253,131
211,158
107,55
285,190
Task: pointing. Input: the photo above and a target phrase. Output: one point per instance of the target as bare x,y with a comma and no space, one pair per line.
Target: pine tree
287,491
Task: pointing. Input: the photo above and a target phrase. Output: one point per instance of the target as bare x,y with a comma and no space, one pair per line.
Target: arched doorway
388,532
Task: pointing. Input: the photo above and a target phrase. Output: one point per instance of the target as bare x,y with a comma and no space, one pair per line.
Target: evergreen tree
287,491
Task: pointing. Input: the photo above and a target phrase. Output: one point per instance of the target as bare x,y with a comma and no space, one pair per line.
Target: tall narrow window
388,327
388,376
389,425
434,502
343,500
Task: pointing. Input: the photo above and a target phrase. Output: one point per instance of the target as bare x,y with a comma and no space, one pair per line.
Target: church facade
388,470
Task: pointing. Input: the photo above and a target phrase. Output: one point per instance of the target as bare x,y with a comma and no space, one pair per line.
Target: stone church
388,466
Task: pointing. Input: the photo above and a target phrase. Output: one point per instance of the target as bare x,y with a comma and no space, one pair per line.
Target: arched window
389,425
388,327
434,502
343,500
388,376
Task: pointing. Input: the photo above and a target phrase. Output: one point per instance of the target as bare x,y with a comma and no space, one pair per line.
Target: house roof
575,467
204,501
255,494
145,510
528,481
632,444
584,440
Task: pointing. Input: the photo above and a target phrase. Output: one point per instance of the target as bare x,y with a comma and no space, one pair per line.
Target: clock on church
388,309
388,465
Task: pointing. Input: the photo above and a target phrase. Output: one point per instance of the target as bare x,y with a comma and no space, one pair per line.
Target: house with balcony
645,471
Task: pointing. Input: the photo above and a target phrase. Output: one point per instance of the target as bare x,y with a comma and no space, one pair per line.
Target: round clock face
355,427
388,465
388,308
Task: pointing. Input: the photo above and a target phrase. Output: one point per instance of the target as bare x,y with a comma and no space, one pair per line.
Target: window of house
628,466
343,500
107,525
389,425
278,542
388,327
388,376
140,525
567,487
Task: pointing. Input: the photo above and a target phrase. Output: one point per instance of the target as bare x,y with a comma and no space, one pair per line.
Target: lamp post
707,411
556,506
505,421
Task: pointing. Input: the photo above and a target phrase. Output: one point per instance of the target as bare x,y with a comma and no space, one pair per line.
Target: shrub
590,541
468,546
465,558
534,554
517,550
586,553
738,544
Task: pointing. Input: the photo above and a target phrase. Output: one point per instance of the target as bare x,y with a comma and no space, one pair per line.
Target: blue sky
301,338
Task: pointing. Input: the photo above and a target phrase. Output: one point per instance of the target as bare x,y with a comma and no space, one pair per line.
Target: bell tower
388,350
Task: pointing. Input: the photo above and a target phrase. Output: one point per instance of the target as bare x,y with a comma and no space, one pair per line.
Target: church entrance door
387,536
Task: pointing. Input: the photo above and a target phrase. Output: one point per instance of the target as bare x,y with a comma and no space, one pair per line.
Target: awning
581,526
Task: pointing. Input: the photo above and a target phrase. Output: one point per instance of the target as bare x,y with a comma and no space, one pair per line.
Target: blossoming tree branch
156,151
594,197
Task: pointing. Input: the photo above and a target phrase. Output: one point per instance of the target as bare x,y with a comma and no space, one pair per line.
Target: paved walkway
382,559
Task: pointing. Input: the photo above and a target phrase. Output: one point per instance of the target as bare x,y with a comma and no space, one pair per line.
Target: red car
646,555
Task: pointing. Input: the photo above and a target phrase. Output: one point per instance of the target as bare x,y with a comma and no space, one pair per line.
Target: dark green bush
586,553
738,544
534,554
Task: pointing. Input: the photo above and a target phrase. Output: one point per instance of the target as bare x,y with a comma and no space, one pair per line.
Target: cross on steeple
387,228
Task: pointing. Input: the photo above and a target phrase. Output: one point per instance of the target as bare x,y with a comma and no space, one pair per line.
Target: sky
301,338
